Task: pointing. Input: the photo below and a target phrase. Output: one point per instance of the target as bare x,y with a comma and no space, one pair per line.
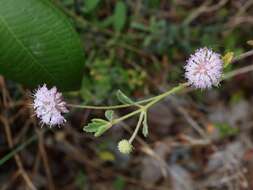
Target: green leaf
92,127
109,114
120,14
145,125
95,120
123,98
102,129
90,5
39,45
97,126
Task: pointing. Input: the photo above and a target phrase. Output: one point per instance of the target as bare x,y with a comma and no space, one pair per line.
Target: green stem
165,94
127,116
154,101
111,107
137,127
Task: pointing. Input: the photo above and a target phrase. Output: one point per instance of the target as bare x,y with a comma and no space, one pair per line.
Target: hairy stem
111,107
154,101
137,127
167,93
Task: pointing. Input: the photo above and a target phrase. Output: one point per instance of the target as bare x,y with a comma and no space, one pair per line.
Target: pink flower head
204,68
49,105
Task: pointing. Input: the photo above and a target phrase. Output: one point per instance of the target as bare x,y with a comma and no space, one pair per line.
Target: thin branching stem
137,127
111,107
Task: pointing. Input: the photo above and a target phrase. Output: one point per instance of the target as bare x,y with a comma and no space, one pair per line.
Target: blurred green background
136,45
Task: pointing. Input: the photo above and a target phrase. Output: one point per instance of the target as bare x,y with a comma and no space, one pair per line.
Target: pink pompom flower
204,68
49,106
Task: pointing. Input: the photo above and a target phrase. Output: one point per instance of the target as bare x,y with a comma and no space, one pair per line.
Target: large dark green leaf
39,45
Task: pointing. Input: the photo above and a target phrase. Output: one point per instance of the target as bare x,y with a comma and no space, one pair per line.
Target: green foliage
225,130
123,98
97,126
107,76
99,85
67,2
119,17
109,114
38,45
153,3
128,60
90,5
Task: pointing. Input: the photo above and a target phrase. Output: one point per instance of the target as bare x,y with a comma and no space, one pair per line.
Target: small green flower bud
124,146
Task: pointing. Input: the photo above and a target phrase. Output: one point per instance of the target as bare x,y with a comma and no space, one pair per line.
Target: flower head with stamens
125,147
49,106
204,68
